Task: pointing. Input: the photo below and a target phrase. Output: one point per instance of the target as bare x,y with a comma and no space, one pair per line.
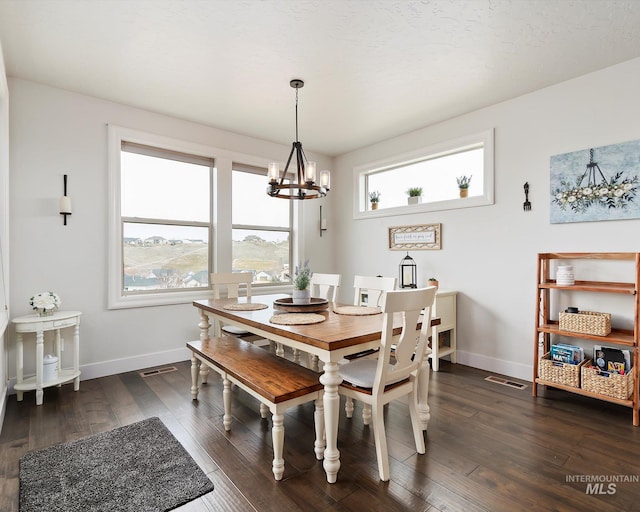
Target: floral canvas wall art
596,184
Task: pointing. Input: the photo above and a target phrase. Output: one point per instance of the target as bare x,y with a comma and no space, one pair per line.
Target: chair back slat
410,347
325,286
232,282
374,287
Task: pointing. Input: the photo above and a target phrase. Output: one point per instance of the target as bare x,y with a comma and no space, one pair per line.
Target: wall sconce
408,272
65,202
323,222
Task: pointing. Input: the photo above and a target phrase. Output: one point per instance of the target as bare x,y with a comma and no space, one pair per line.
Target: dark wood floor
489,447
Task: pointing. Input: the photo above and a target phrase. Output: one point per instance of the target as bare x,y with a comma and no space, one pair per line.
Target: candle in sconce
273,171
310,172
325,179
65,204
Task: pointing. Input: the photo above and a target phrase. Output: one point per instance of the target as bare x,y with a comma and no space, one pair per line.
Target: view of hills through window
261,234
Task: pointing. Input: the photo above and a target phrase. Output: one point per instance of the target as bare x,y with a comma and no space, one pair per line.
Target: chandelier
303,185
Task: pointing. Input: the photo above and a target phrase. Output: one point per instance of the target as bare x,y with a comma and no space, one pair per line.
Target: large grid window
160,219
165,209
261,228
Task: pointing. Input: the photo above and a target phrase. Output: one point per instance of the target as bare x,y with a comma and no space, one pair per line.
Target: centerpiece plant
301,283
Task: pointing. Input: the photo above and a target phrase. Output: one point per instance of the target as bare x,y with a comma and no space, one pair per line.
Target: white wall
4,235
55,132
489,253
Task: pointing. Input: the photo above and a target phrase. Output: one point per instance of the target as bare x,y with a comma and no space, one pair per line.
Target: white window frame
116,298
485,138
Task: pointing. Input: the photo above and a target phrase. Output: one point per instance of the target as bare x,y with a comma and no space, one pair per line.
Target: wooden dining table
333,339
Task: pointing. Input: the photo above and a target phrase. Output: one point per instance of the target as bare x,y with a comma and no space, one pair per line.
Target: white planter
414,199
301,296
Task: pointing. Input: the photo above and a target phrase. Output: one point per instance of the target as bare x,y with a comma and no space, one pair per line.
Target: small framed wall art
417,237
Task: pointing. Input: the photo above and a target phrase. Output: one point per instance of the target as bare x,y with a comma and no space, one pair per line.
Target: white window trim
115,135
485,138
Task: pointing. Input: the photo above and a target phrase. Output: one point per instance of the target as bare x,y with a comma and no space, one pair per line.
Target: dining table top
337,331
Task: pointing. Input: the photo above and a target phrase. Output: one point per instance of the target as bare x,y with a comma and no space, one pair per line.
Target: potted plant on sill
463,185
301,283
415,195
374,197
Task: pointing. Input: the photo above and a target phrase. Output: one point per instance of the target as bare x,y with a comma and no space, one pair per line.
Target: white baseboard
129,364
491,364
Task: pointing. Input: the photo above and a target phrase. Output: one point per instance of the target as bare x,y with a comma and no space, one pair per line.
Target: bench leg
264,411
194,377
226,398
277,433
318,417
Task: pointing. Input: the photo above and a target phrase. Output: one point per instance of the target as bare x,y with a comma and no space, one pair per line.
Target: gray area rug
139,468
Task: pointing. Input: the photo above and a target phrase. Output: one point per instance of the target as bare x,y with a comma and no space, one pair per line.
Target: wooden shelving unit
546,327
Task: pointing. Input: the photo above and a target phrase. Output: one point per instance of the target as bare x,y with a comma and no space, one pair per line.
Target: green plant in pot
415,195
463,185
374,197
432,281
301,283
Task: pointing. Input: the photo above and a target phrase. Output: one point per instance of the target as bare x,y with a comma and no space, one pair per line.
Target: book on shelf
611,360
564,353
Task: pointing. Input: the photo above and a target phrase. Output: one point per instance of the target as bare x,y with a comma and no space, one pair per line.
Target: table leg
204,335
39,367
331,380
423,393
19,365
57,344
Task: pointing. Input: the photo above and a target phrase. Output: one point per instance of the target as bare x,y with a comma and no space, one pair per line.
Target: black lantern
408,272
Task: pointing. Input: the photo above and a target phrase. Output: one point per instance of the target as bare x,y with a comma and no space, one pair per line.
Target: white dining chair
231,283
369,289
368,292
325,286
376,382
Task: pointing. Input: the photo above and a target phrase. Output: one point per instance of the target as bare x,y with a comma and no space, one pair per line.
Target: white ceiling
373,69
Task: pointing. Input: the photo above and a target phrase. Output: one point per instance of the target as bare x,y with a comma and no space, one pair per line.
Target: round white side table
39,325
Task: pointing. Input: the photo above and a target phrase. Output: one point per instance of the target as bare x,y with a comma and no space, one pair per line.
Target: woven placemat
357,310
244,306
296,319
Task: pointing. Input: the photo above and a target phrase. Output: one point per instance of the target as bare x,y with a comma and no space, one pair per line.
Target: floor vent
158,371
505,382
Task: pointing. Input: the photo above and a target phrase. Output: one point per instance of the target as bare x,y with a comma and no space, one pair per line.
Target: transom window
435,171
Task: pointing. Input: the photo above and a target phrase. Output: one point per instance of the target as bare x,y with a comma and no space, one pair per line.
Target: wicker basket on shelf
586,322
615,385
558,372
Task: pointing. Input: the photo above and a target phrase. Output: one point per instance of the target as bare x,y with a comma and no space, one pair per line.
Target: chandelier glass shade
305,183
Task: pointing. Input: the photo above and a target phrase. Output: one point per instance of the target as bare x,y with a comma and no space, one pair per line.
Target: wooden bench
276,382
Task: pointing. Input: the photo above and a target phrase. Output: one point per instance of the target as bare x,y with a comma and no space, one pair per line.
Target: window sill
451,204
